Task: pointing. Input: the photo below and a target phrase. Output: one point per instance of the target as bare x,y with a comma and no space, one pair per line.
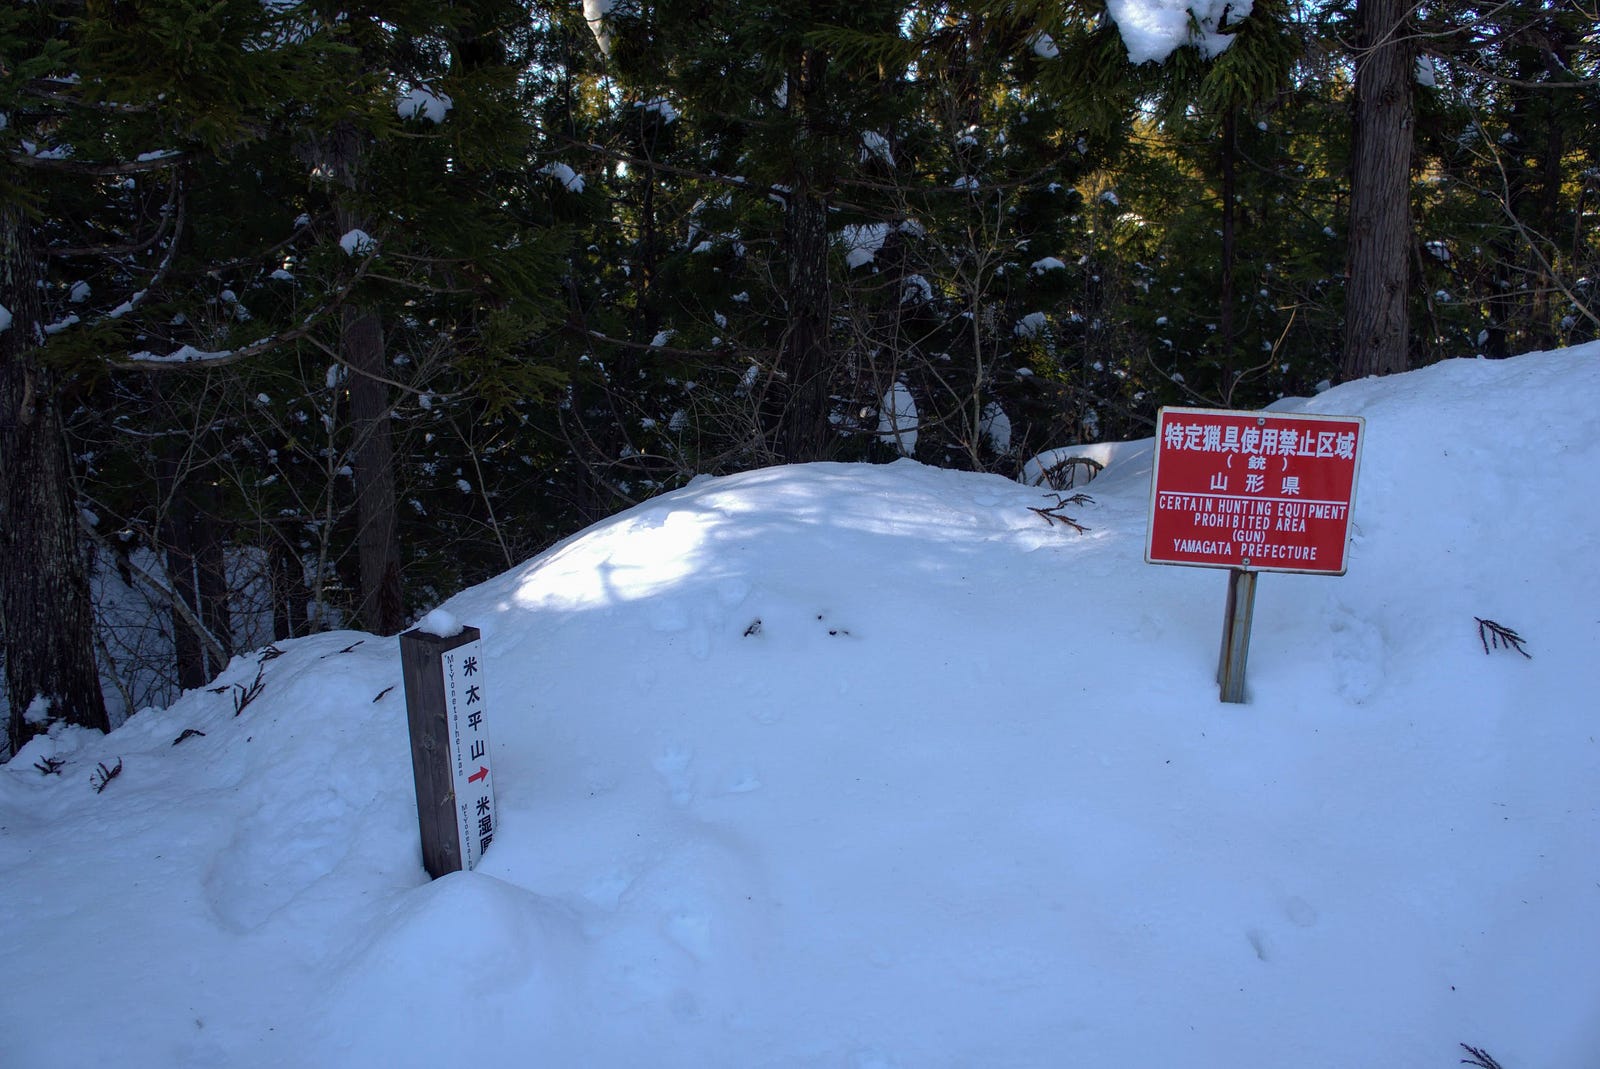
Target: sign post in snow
1251,492
445,707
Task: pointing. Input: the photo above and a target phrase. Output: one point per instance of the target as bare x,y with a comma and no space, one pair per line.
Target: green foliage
1020,233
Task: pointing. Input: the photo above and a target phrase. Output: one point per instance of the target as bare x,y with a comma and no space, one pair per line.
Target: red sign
1259,491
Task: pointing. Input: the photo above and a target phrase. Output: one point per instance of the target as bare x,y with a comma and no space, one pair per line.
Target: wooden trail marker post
1251,492
445,707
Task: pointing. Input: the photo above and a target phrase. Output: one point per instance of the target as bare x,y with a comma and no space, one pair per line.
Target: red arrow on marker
480,774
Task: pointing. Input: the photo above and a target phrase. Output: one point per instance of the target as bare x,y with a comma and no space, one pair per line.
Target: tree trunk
45,606
804,430
1541,210
1376,330
1230,197
382,609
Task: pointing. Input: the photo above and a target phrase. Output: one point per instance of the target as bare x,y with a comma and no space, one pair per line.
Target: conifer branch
733,181
176,214
643,346
338,358
59,92
169,215
1499,636
1053,515
102,776
187,357
1532,241
1476,71
1063,474
243,695
95,170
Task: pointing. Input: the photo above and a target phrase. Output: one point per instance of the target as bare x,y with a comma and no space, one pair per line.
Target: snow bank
844,765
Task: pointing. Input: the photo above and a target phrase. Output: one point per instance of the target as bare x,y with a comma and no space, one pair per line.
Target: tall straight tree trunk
1230,210
1376,330
1543,139
45,607
377,543
804,430
361,345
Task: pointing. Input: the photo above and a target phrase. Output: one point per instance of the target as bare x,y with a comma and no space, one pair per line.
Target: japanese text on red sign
1209,437
1253,490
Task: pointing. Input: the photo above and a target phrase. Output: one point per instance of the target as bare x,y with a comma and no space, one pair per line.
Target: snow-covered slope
870,766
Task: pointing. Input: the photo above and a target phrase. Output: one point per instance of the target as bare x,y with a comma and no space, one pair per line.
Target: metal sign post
1251,492
445,706
1236,620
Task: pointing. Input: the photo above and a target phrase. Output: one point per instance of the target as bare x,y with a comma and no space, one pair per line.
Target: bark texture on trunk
1376,329
804,430
1230,211
45,607
361,345
382,608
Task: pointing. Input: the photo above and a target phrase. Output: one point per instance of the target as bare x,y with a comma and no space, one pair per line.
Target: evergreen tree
178,232
776,116
104,108
1506,134
1377,322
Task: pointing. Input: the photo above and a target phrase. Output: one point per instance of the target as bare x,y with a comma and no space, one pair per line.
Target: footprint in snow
673,768
1300,912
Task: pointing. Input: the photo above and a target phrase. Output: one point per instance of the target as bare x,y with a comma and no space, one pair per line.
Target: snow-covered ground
869,766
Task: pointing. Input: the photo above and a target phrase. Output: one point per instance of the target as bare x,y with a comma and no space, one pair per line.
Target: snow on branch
189,356
1153,29
149,161
594,13
570,180
424,104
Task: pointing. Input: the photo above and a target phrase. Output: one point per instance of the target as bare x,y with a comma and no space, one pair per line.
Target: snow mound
844,764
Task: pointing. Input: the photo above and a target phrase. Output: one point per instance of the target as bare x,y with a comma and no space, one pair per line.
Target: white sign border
1155,472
